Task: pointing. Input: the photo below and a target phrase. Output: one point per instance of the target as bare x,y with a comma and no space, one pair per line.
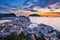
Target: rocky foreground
20,28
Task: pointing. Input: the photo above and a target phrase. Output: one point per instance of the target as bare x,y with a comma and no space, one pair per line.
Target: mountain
7,15
34,15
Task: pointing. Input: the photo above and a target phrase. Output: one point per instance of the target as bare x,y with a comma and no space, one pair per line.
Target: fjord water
52,21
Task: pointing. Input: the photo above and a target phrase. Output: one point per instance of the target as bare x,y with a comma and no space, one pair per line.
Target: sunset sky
29,5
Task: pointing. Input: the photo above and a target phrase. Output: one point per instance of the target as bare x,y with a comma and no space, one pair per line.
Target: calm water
52,21
2,21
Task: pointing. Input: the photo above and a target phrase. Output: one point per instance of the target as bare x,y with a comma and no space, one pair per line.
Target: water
52,21
3,21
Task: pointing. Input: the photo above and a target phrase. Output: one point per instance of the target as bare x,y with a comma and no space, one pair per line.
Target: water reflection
52,21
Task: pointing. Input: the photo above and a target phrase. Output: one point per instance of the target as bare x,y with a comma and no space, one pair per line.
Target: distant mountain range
7,15
35,14
46,14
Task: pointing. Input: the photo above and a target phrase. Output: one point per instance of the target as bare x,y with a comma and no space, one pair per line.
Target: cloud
42,5
30,5
55,7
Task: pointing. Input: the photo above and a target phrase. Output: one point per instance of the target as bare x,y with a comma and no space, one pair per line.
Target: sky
29,5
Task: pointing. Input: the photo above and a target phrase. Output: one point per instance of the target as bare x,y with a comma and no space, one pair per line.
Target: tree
12,37
28,37
22,36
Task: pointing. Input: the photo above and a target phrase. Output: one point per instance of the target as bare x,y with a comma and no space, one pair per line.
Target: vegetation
22,36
